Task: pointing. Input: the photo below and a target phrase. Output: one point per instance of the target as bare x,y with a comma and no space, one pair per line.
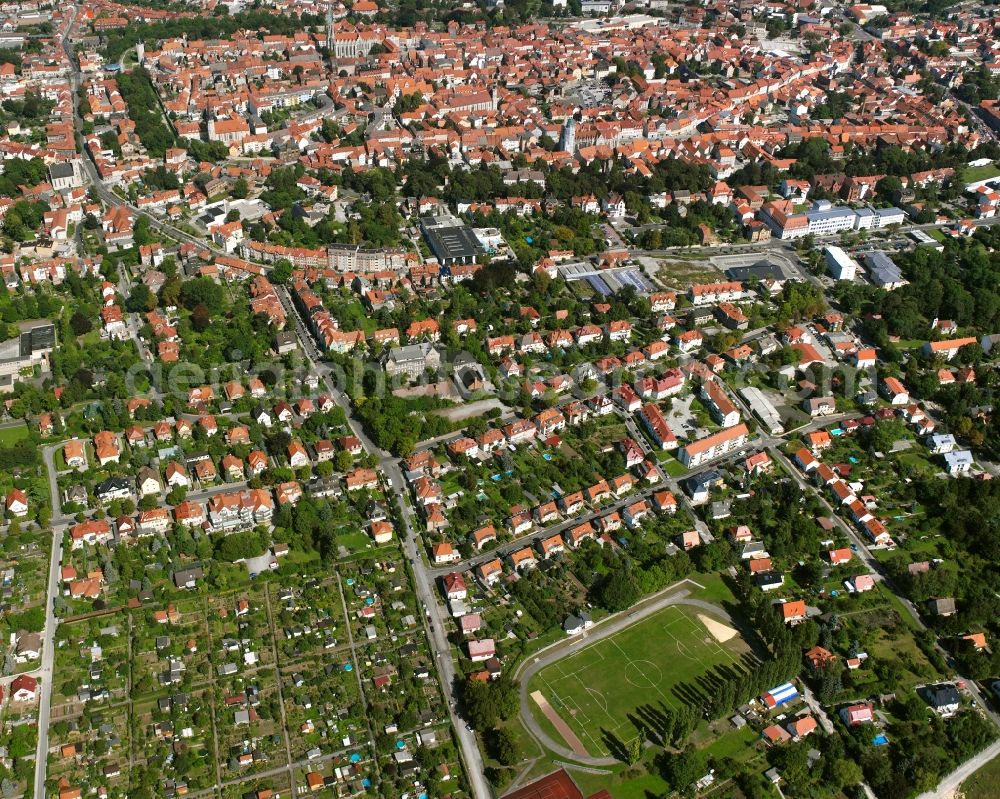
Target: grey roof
882,269
762,270
961,457
35,337
768,578
184,576
702,480
112,484
63,170
451,242
574,622
829,213
941,695
943,605
410,353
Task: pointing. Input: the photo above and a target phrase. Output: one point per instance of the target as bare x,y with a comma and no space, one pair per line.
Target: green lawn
355,542
670,464
972,174
621,786
916,459
608,435
661,662
983,784
733,744
714,588
12,434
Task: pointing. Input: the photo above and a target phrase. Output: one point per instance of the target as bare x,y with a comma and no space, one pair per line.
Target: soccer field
660,662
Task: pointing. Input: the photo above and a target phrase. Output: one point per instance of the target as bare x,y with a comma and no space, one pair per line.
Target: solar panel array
608,281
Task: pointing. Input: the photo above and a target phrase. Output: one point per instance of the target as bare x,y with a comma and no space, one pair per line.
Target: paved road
44,675
436,631
603,629
45,672
948,787
422,576
809,698
48,456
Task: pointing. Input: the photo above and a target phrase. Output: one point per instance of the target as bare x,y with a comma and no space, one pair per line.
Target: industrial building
451,240
30,348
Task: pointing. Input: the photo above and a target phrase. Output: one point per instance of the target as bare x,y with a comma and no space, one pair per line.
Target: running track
601,630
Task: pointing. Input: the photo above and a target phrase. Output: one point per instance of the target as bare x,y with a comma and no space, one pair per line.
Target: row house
239,510
669,384
721,407
713,446
715,293
657,427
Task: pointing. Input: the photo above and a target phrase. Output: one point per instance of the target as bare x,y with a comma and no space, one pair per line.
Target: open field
659,663
11,434
681,272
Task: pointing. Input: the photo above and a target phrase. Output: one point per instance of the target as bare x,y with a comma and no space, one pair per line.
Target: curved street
948,787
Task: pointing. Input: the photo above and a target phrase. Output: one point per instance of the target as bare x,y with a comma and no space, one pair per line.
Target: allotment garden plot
657,664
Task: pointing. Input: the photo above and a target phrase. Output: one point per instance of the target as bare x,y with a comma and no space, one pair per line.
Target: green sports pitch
661,662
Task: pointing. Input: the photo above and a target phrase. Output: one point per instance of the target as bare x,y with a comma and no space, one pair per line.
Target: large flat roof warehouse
763,409
34,336
452,241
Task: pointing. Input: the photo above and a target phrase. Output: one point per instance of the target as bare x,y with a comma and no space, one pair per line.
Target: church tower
331,37
567,141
